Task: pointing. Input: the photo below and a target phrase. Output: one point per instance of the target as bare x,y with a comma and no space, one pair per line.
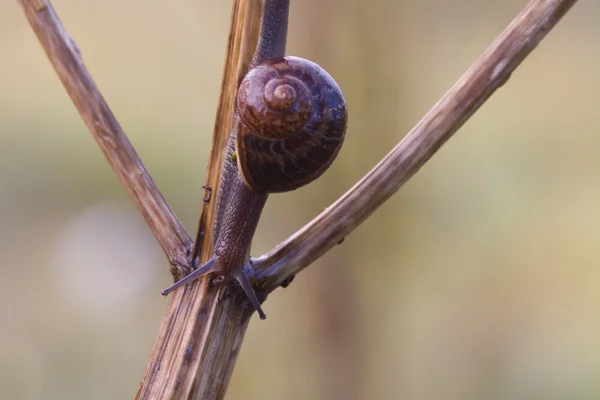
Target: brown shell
293,120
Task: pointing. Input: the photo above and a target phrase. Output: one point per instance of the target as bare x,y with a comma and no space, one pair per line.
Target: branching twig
486,75
202,331
66,58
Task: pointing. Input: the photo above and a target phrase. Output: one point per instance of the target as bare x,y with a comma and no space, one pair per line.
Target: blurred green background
479,280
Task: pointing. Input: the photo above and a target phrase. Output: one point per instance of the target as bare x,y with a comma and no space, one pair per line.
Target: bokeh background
480,279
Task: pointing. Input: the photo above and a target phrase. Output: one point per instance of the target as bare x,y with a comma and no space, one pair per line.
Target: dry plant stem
242,41
68,63
486,75
201,334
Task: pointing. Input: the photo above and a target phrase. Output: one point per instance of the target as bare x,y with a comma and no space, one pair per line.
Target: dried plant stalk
202,332
201,336
243,37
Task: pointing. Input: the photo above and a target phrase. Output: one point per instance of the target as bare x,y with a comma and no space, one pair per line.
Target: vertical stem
203,330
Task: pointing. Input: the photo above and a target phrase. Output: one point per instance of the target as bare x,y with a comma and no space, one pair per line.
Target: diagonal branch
488,73
66,59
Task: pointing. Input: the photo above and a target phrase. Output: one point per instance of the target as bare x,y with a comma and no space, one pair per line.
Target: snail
289,127
293,120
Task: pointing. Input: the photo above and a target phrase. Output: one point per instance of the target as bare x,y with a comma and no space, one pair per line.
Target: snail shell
293,121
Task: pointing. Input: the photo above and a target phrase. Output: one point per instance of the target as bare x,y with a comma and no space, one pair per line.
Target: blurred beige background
479,280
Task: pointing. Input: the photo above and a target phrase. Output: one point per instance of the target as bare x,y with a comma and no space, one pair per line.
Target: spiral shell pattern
293,121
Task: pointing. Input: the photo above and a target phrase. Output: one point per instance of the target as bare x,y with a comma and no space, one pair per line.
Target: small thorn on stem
208,188
286,282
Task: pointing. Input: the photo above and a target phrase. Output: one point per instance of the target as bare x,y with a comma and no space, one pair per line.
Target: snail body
289,127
